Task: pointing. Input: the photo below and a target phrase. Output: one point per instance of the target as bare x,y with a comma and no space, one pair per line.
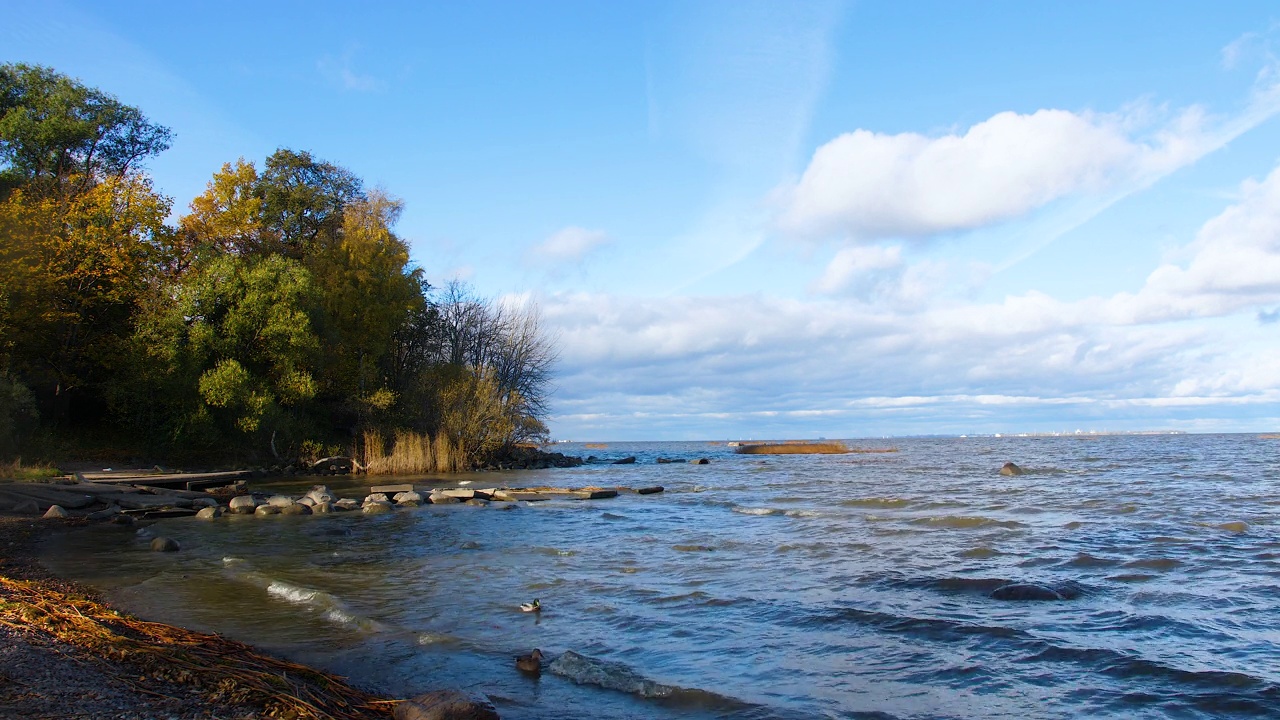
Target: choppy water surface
776,587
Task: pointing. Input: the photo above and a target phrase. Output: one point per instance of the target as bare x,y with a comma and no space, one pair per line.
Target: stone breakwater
126,505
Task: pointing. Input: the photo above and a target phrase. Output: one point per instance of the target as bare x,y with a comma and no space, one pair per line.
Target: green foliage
54,131
17,414
236,334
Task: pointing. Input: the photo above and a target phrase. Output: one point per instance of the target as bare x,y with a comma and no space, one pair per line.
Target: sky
797,219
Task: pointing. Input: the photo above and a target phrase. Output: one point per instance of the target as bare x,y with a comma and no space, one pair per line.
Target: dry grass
794,448
227,671
410,453
17,471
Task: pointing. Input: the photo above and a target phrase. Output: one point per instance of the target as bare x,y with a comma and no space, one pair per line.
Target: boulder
306,500
122,519
322,508
346,504
295,509
242,504
320,493
267,510
376,497
409,498
209,513
280,501
204,502
630,460
446,705
700,461
1011,469
164,544
438,497
377,507
650,490
56,511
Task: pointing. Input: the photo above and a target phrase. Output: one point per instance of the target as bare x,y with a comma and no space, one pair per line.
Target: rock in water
446,705
267,510
1011,469
280,501
346,504
625,461
164,544
701,461
209,513
321,508
295,509
1025,591
242,504
377,508
56,511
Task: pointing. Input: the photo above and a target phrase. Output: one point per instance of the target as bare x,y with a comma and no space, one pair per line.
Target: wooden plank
172,478
391,489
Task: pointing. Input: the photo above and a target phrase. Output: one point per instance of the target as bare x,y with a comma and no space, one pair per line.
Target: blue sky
769,219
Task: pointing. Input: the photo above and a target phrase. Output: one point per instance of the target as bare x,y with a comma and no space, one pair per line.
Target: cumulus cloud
864,186
570,245
854,263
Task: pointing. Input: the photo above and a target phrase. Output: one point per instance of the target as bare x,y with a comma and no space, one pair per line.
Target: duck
531,663
534,606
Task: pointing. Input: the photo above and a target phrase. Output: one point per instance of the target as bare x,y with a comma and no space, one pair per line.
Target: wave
877,502
585,670
965,521
757,510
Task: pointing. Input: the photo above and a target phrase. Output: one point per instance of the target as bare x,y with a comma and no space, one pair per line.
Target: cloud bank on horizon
837,220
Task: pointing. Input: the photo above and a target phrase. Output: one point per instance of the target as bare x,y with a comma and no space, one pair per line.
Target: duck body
530,664
535,606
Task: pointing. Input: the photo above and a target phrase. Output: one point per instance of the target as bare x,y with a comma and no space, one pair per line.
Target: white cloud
865,186
852,263
570,245
339,71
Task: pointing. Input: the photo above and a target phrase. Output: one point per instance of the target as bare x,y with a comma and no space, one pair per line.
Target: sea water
800,586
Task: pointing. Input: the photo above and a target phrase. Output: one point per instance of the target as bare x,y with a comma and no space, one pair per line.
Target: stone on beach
321,508
439,497
295,509
280,501
346,504
376,497
378,507
56,511
320,493
446,705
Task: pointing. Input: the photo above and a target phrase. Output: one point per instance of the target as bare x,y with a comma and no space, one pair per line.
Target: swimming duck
534,606
531,663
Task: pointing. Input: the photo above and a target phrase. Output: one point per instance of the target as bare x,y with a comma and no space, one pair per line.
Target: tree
303,199
227,216
74,269
58,135
236,340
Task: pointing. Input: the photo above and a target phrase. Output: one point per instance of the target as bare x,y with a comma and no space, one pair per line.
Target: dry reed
410,453
227,670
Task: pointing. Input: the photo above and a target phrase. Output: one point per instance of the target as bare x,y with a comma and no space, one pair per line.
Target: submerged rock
295,509
322,508
1011,469
164,544
209,513
1037,591
446,705
700,461
630,460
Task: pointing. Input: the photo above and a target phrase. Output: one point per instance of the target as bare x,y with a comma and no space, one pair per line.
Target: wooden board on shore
188,481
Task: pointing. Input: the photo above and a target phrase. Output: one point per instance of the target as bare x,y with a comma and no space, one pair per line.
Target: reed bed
793,448
410,453
227,671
